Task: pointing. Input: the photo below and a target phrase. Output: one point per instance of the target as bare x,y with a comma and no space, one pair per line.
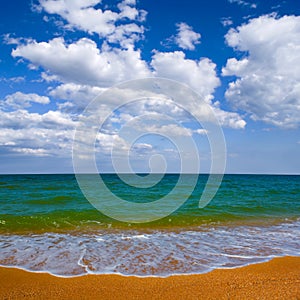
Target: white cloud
198,74
234,66
15,79
9,39
201,131
106,142
161,105
82,15
229,119
83,62
127,11
36,134
126,35
166,130
243,3
48,134
21,118
48,77
84,70
143,146
268,84
79,94
73,98
30,151
226,21
186,37
141,149
84,78
21,100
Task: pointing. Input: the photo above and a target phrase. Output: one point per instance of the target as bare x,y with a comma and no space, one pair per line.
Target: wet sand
277,279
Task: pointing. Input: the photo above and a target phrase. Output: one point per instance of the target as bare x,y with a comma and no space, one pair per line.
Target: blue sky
241,56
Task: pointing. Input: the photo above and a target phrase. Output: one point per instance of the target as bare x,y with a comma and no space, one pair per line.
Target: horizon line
145,173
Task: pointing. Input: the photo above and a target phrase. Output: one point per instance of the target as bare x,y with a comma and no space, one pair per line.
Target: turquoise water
46,224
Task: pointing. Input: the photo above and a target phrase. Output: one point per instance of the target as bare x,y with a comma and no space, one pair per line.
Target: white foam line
209,269
242,256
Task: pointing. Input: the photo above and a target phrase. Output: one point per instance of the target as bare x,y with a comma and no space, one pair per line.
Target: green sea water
55,202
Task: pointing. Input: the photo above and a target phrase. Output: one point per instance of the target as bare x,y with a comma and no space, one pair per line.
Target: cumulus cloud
186,37
77,96
165,129
235,66
82,62
21,118
198,74
48,134
20,100
106,142
100,68
36,134
76,70
80,70
268,76
83,15
126,35
86,70
201,76
32,133
228,119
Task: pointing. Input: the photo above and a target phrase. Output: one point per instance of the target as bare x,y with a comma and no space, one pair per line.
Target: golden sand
277,279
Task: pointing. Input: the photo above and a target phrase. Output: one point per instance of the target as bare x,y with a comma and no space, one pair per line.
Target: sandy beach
277,279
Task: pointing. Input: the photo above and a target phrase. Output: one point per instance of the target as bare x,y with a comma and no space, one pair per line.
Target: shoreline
266,260
278,278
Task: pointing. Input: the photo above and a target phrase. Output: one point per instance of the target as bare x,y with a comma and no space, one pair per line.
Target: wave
152,253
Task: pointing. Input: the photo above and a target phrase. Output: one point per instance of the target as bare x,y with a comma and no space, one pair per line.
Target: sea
47,225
